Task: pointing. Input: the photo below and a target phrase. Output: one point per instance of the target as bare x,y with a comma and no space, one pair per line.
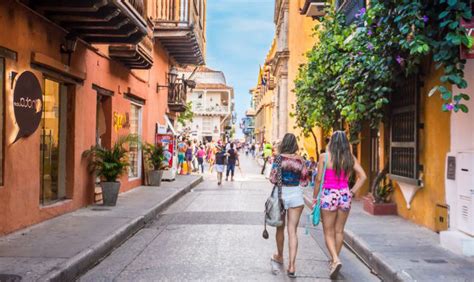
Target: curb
374,260
73,267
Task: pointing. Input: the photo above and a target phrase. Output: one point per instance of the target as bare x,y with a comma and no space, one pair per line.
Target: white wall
462,125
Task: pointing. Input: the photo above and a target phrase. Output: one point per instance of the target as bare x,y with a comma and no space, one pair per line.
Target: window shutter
404,159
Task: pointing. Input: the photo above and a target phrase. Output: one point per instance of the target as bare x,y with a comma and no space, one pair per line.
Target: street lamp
172,77
69,47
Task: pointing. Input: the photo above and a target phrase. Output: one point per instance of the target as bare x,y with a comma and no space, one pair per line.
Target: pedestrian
294,176
181,155
220,162
267,153
201,153
312,171
252,150
195,161
189,157
336,196
232,159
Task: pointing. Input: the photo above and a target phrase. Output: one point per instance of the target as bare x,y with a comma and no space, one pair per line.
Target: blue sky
239,35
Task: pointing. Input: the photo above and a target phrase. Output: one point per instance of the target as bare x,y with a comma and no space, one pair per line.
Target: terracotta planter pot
154,177
110,191
379,208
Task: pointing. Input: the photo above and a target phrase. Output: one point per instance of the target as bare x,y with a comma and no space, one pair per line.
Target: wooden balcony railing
180,27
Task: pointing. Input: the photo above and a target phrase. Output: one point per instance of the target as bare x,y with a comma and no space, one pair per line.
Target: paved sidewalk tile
38,251
399,250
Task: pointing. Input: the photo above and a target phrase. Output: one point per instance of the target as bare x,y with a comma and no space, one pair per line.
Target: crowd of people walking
192,156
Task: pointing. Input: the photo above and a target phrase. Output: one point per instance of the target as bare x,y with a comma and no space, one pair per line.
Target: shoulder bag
317,208
274,208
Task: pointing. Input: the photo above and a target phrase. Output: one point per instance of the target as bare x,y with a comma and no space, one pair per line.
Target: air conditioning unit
465,192
316,9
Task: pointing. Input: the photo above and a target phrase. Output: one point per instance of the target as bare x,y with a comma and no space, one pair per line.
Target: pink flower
449,107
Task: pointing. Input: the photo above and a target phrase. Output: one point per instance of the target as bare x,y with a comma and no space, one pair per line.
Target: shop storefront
83,98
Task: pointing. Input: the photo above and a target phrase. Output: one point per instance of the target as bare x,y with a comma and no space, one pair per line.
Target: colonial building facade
212,103
76,75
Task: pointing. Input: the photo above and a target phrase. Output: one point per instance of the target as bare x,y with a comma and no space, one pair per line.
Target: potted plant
109,165
379,201
156,161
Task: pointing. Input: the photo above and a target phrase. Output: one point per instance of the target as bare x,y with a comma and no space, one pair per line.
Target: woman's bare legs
339,229
329,228
280,241
294,215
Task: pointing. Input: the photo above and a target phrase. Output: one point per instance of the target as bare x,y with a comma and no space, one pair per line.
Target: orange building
102,69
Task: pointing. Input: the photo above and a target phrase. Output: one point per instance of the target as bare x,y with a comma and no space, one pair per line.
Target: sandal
335,267
291,274
273,259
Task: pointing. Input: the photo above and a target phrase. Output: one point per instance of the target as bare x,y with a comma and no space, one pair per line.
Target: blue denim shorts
292,196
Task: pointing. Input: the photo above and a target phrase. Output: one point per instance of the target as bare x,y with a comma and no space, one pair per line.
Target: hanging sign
27,104
467,53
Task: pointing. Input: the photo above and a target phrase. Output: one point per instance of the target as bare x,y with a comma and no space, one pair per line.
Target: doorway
53,142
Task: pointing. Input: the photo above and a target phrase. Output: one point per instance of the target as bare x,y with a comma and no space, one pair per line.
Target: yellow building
415,158
262,99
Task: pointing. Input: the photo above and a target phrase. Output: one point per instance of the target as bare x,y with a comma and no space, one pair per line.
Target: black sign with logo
27,104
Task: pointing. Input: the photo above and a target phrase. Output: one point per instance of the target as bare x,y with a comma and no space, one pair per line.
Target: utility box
441,220
465,192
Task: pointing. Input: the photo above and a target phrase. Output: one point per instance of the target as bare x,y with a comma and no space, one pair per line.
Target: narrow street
214,233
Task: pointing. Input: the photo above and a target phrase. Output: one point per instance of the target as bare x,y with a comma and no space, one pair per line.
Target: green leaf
464,108
443,14
446,96
452,3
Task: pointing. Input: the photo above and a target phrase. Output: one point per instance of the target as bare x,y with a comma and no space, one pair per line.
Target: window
404,132
53,142
350,8
135,154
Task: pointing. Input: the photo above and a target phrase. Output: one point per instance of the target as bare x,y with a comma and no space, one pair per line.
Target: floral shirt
294,172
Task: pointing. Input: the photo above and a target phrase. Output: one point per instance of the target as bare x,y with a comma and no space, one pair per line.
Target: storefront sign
465,52
27,104
121,121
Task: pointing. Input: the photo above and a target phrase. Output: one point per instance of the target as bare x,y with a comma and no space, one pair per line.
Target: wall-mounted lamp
172,77
69,47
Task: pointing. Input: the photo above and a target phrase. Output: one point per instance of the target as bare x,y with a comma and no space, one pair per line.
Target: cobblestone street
214,233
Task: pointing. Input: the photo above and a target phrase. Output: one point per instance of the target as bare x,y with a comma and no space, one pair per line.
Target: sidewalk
61,248
399,250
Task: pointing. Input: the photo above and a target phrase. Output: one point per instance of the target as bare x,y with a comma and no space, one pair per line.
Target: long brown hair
289,144
342,159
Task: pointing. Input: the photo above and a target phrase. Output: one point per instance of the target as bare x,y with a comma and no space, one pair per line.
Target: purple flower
449,107
370,46
425,19
360,13
399,59
360,53
369,32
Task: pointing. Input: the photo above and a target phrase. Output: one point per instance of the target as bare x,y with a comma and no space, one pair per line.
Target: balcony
134,56
210,110
177,96
314,8
96,21
179,27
